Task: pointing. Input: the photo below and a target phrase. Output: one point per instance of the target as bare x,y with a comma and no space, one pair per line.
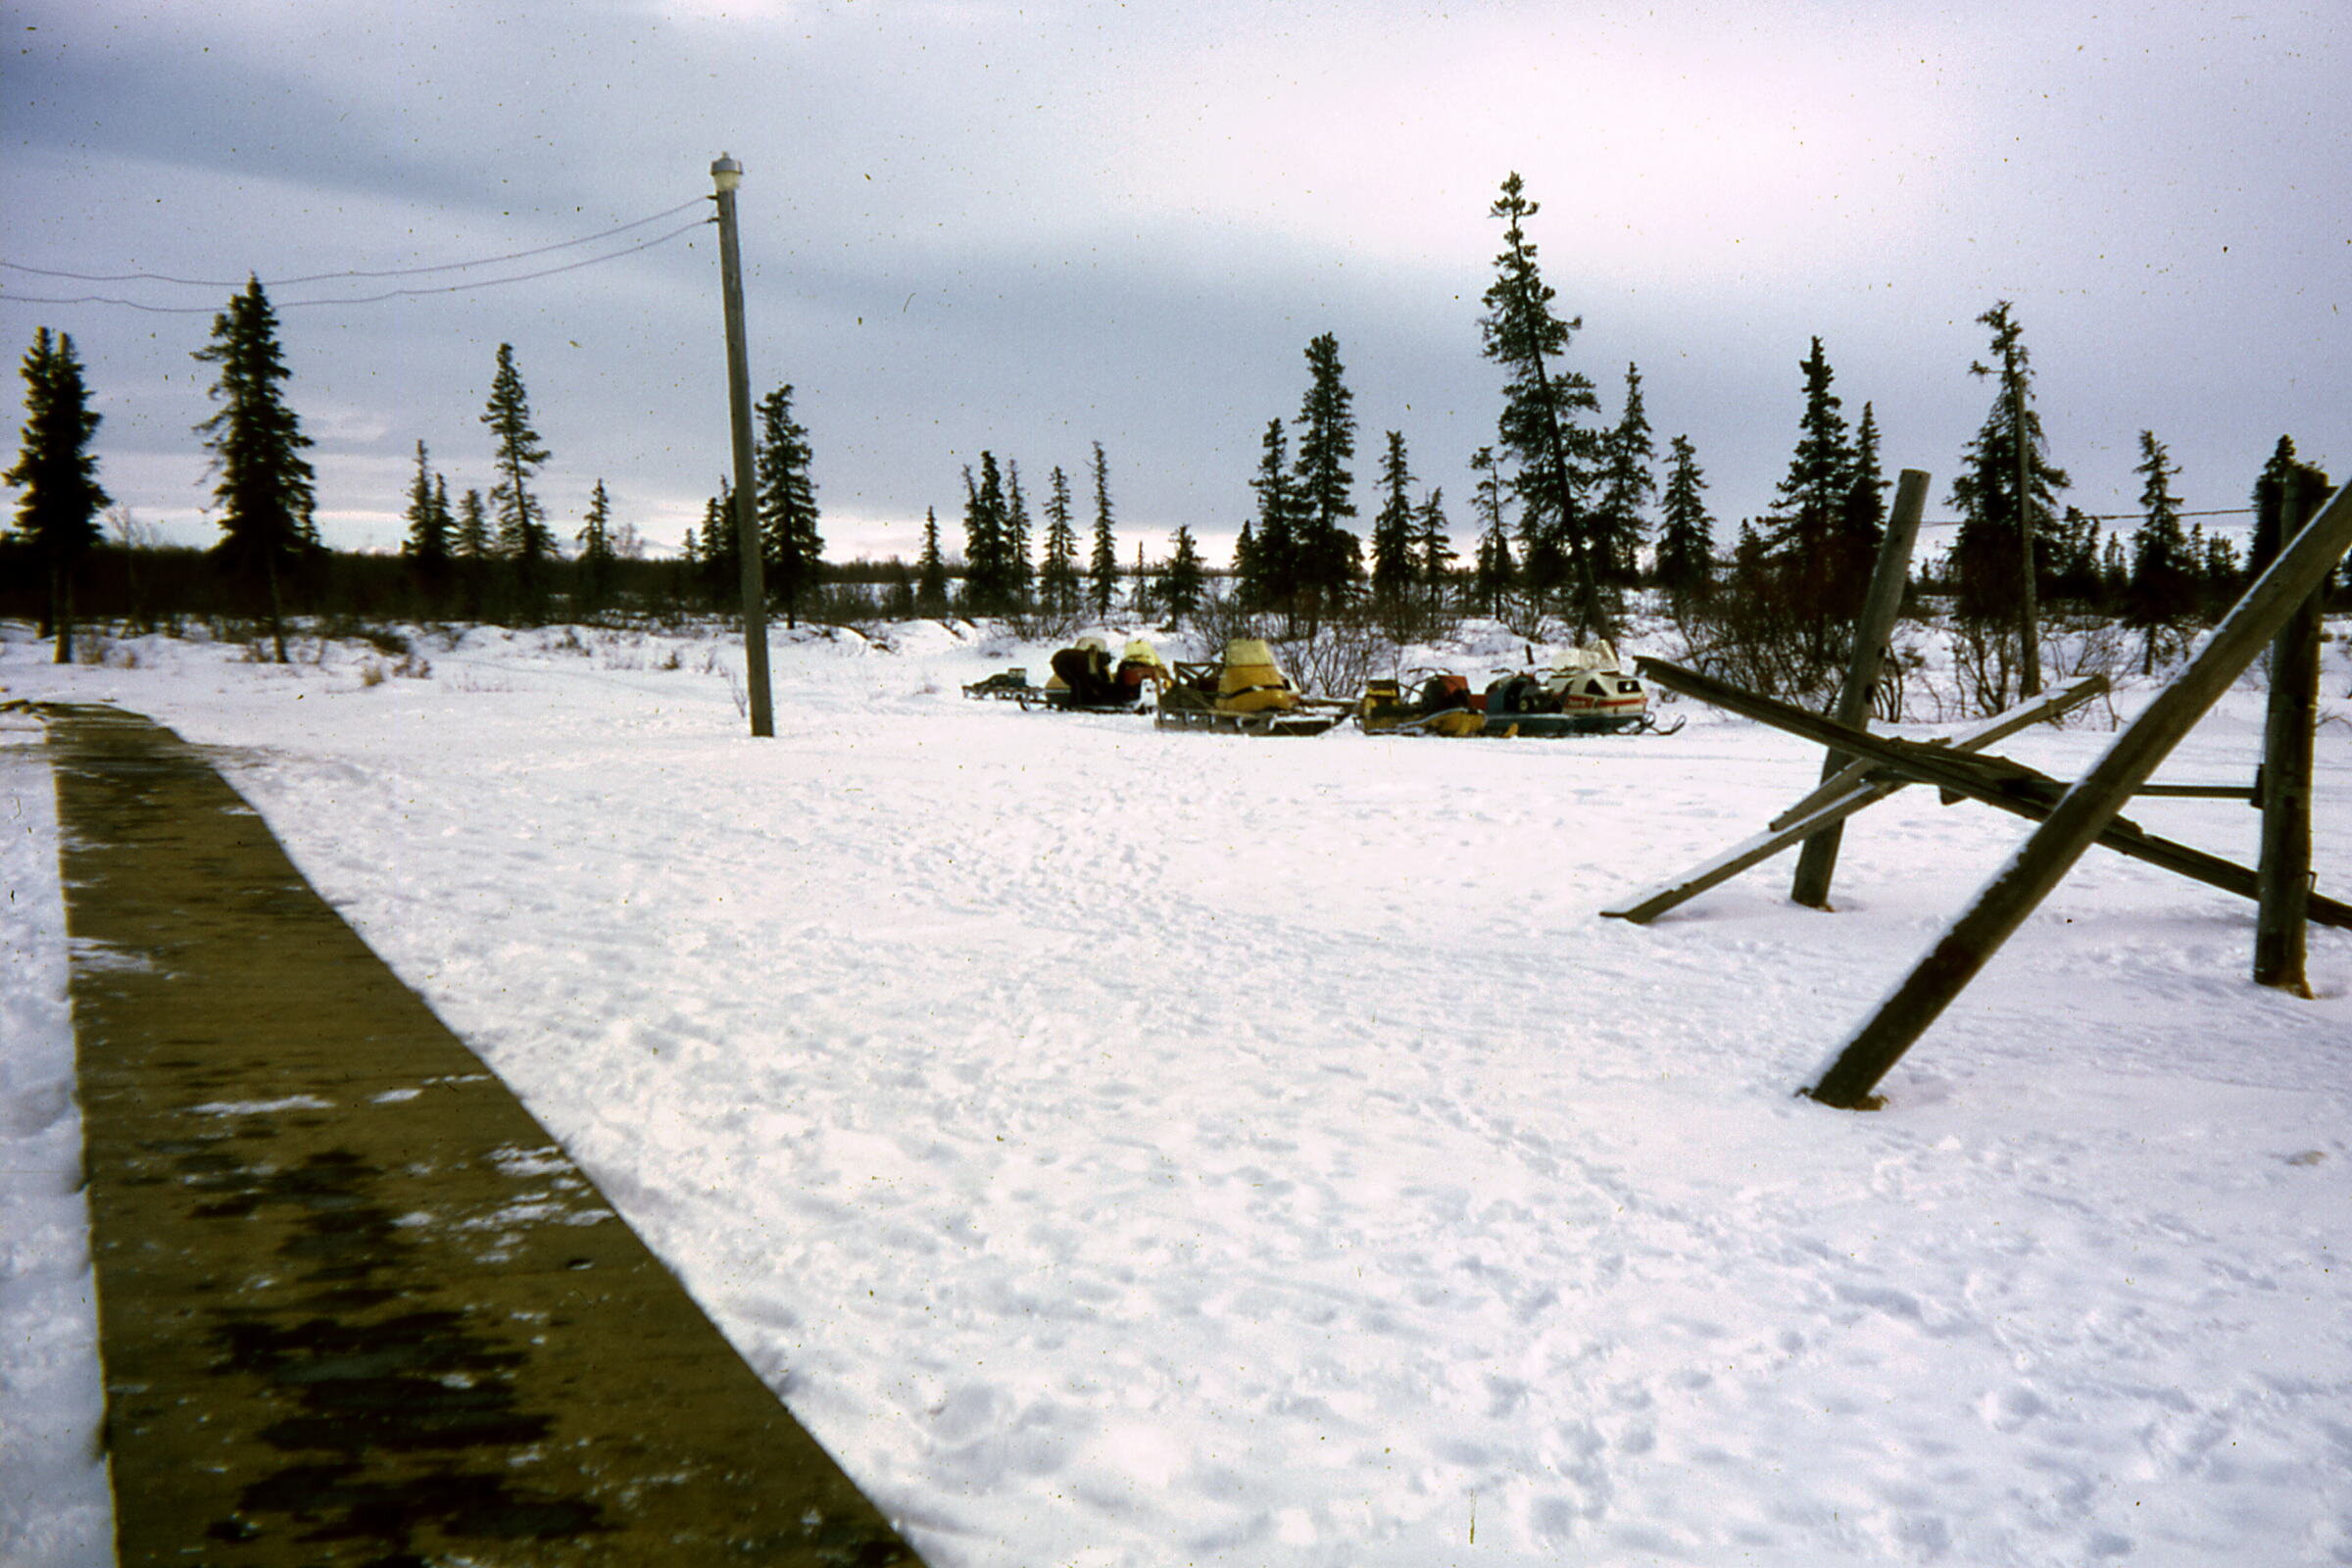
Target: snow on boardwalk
1134,1148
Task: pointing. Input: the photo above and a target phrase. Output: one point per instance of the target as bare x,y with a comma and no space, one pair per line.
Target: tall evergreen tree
1496,573
931,570
1057,571
595,540
1862,519
791,550
1625,488
2280,472
722,546
1986,557
427,543
1686,564
2163,593
265,489
522,533
58,515
1434,543
1392,534
1539,426
988,577
1808,515
1102,564
1269,575
1329,555
1020,573
471,539
1185,580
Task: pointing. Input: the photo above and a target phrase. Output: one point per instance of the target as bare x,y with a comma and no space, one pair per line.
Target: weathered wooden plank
1849,791
355,1305
2086,814
1817,861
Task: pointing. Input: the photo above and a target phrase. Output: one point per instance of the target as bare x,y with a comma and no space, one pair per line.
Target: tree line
1571,511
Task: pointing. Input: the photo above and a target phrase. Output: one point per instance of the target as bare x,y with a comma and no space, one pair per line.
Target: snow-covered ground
1136,1149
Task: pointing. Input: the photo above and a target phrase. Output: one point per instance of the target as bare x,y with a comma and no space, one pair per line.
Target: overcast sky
1028,228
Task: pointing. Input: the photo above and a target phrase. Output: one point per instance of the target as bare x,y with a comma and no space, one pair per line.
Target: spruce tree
1102,564
1020,573
1496,573
427,543
2281,473
931,570
722,546
791,548
472,537
595,540
1434,545
58,516
1685,563
1057,571
1329,555
1625,488
1861,520
1986,556
2163,592
1184,581
987,563
1539,426
522,532
1808,514
1393,533
265,487
1269,577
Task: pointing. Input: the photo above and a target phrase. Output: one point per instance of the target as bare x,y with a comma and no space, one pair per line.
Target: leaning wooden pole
2075,822
1817,861
2285,870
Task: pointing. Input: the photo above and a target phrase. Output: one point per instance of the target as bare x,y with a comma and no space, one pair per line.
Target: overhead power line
367,299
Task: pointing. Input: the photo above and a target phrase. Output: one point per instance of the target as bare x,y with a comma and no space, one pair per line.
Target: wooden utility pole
2085,811
1817,861
2285,868
2029,611
727,174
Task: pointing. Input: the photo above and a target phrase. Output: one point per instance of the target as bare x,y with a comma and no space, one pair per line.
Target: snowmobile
1587,691
1442,703
1243,695
1007,686
1098,687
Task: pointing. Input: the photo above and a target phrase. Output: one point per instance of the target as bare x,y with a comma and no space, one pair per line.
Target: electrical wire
329,277
369,299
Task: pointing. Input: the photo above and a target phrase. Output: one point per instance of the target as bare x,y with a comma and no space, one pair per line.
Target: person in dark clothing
1086,670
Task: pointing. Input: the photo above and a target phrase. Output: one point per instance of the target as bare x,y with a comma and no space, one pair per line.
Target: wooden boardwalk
356,1306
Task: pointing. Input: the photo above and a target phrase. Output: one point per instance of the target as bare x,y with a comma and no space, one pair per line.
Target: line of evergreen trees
1562,500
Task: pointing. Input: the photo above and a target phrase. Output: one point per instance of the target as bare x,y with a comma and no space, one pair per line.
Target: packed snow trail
1129,1148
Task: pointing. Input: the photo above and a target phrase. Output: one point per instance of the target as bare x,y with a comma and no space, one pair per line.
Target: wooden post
2285,870
2005,786
1817,861
1849,791
2079,820
727,174
2029,594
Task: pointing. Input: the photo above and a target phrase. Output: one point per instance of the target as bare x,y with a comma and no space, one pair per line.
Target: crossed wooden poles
2071,817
